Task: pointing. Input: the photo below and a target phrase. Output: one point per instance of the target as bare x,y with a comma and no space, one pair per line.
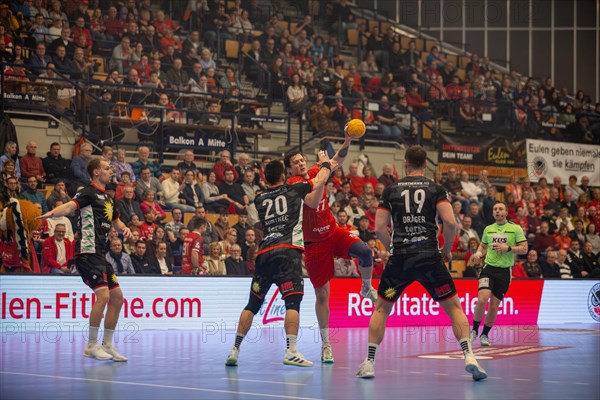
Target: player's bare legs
93,350
378,319
482,300
376,331
460,328
110,323
322,311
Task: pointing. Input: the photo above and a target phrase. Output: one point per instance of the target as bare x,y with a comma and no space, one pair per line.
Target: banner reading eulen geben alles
547,159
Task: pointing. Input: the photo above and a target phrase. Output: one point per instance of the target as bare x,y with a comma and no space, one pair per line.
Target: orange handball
355,128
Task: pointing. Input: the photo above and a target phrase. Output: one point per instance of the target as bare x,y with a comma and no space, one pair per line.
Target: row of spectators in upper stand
145,47
555,217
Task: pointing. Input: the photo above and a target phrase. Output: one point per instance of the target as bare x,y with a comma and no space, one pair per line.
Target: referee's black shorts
495,279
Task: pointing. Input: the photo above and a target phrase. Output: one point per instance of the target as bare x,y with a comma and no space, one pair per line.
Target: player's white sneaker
472,367
366,369
94,350
326,354
232,359
369,293
484,340
297,359
114,353
473,336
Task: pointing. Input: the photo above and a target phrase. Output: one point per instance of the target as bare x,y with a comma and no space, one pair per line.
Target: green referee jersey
508,233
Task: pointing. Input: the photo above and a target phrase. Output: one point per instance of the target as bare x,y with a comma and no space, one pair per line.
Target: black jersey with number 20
412,202
280,212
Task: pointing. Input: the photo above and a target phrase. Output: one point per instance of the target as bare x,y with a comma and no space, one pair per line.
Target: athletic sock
324,335
486,330
108,337
93,334
238,341
291,343
465,345
371,351
476,325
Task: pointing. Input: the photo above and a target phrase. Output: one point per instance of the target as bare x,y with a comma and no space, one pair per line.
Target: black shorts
427,268
95,271
495,279
282,267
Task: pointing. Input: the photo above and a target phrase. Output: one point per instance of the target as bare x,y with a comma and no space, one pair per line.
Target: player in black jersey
279,257
412,205
96,215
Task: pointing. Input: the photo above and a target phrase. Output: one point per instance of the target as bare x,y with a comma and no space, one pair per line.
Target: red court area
524,362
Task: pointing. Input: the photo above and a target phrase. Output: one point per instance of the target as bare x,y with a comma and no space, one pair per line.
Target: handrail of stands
244,56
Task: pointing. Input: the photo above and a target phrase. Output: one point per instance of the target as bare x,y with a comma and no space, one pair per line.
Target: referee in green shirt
500,242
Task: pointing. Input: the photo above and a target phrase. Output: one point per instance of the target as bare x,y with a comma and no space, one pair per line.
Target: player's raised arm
60,211
318,182
342,152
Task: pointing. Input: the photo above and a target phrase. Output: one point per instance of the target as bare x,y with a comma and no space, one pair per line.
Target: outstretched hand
48,215
323,157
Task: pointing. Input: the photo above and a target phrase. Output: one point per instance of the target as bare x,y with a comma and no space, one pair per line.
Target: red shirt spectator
146,230
224,164
161,23
518,271
31,165
51,255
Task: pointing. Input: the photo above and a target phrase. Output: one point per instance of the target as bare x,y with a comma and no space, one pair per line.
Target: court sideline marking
159,386
275,382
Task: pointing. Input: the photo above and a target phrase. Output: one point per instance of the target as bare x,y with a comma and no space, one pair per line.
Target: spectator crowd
174,47
560,220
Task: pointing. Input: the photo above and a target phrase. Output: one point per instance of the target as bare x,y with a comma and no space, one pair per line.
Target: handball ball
356,128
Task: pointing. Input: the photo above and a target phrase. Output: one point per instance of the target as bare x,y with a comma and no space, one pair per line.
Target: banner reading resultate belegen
547,159
501,157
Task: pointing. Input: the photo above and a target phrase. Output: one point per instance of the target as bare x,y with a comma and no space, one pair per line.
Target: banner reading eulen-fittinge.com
547,159
50,303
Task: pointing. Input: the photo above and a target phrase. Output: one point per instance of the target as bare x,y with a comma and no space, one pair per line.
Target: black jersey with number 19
412,202
280,212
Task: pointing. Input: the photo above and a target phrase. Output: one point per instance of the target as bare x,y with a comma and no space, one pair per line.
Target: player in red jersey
324,240
191,258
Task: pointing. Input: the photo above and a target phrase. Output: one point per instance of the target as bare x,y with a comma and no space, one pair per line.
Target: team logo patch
256,287
594,302
113,278
390,293
108,210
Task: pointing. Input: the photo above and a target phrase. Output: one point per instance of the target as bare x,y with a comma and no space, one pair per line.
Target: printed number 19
418,197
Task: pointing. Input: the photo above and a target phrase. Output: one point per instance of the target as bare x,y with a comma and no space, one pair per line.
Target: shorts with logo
281,266
495,279
318,256
427,268
95,271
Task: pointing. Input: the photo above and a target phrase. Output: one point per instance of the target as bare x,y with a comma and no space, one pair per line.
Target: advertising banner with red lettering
53,303
502,157
415,307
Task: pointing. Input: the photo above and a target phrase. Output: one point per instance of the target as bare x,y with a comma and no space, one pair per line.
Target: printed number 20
418,197
280,208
